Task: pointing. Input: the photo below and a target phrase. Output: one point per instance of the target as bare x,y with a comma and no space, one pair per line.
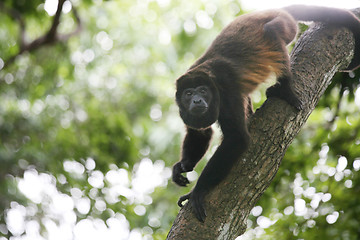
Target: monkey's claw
183,198
196,201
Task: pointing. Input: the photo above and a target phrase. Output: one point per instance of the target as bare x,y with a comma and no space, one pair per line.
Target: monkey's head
198,99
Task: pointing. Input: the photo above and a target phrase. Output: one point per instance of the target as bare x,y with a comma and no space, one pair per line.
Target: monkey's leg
280,31
283,88
195,144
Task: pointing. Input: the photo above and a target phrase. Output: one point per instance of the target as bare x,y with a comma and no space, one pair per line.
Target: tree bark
318,54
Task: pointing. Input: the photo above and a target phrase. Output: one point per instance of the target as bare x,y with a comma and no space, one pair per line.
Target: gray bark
318,54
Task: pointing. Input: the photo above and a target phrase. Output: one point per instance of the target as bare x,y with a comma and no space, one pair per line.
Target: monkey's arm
235,142
195,144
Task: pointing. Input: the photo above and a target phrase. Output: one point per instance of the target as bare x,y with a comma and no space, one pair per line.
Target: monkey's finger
183,198
199,210
297,104
181,180
185,180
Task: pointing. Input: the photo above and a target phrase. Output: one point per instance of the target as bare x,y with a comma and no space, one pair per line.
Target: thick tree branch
318,54
50,37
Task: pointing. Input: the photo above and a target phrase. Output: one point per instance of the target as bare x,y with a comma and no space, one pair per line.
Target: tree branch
50,37
317,55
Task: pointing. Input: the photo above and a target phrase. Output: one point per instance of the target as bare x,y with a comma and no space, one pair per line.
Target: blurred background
89,129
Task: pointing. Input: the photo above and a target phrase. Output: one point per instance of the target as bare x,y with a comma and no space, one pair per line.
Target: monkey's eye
188,93
203,91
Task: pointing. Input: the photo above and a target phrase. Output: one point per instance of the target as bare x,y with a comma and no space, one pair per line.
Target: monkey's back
255,44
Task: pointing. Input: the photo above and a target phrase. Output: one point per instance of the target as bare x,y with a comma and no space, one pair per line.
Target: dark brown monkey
218,84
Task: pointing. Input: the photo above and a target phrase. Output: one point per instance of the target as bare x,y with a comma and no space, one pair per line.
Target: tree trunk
317,55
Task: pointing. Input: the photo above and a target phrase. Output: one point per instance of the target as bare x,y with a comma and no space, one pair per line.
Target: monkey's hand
177,178
196,200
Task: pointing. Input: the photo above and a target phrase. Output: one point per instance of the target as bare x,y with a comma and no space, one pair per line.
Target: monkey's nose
197,100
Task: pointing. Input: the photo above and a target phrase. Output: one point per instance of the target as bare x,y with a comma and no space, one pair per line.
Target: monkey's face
198,101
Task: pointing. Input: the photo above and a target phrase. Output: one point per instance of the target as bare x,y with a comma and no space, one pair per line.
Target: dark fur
244,54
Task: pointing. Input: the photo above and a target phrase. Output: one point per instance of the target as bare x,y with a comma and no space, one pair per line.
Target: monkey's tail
333,16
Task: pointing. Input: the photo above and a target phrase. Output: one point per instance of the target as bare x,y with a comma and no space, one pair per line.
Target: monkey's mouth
199,110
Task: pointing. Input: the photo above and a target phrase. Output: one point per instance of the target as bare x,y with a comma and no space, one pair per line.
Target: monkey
217,87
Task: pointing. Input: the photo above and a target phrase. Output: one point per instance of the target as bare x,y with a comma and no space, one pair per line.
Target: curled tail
333,16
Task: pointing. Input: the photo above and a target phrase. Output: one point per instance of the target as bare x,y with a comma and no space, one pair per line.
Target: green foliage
89,129
90,124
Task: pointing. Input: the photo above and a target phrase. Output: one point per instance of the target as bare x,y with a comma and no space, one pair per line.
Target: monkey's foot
285,94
